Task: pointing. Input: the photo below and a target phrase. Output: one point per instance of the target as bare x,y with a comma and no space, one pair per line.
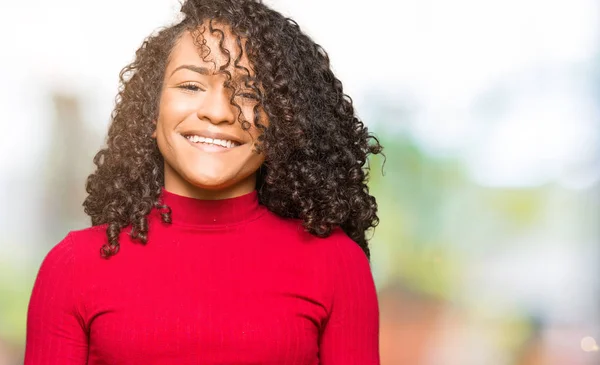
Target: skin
194,101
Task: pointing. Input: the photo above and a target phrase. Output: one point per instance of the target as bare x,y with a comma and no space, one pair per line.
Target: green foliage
411,195
15,288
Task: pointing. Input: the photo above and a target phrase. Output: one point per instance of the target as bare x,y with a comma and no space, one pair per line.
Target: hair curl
316,149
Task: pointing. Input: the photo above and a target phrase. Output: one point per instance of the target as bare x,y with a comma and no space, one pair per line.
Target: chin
210,182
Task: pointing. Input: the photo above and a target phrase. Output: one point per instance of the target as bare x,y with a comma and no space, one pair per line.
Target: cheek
174,109
256,161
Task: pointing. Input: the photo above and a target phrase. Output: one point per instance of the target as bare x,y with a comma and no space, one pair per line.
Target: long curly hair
316,148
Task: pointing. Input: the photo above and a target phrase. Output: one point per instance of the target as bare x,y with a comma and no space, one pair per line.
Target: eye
190,86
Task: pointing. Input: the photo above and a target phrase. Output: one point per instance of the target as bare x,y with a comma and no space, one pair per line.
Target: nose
216,106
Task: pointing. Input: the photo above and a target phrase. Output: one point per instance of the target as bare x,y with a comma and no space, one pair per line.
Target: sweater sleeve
351,334
55,333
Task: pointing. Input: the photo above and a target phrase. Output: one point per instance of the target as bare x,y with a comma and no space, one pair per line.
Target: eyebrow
207,72
198,69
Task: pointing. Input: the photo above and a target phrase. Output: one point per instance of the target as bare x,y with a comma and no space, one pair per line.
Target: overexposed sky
440,56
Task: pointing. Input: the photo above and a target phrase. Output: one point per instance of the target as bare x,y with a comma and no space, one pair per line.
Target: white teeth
215,141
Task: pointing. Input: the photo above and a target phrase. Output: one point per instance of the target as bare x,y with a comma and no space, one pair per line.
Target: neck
211,213
176,186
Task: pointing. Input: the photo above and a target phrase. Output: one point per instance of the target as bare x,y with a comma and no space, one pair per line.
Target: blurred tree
68,162
414,195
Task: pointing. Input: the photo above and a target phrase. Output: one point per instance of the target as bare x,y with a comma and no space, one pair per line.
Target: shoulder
63,273
346,255
75,247
94,233
73,260
88,241
69,244
337,247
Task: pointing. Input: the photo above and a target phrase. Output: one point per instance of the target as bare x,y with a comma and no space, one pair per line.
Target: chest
231,314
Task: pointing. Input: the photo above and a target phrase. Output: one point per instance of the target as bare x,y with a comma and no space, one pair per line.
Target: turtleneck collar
212,213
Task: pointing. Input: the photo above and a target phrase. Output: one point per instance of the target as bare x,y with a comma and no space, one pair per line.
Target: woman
230,208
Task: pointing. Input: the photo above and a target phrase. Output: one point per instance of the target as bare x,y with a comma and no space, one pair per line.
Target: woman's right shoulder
65,271
90,234
78,245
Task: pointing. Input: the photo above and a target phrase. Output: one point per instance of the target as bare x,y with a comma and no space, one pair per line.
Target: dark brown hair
316,148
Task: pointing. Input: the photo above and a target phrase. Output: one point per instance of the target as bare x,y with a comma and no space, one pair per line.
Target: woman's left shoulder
292,232
345,249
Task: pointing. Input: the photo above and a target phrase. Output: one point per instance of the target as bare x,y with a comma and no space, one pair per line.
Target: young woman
230,209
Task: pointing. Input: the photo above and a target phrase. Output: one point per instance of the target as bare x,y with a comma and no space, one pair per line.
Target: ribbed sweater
227,282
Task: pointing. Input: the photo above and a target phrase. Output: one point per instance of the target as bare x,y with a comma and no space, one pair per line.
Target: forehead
210,49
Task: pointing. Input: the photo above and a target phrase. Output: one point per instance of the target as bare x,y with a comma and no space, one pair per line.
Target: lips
208,136
212,141
209,147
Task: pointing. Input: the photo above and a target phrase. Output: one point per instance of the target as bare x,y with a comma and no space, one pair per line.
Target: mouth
211,144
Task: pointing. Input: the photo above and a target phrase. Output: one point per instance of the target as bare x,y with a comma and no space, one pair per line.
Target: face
207,153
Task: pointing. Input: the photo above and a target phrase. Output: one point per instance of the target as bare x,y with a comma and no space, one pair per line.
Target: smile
212,141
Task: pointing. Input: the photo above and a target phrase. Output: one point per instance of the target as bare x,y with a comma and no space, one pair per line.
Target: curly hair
316,149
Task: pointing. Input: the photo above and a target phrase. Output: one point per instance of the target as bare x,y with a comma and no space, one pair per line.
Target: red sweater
228,282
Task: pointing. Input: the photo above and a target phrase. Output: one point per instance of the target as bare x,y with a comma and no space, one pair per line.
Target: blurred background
488,249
